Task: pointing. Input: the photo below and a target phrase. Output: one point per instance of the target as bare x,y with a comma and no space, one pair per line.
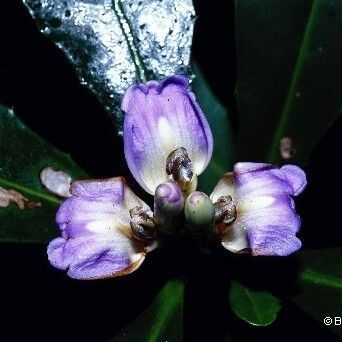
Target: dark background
41,303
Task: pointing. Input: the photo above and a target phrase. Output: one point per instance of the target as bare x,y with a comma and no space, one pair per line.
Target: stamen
180,167
142,223
225,210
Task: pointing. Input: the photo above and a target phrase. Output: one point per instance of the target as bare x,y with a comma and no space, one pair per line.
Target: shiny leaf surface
114,43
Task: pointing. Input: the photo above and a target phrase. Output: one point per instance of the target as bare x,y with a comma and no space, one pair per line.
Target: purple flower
106,230
255,211
96,227
166,135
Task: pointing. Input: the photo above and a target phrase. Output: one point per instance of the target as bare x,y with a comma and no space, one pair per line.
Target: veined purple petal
248,167
95,256
273,240
261,179
161,117
97,239
266,221
296,177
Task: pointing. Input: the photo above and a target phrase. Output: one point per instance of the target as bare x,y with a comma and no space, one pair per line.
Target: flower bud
199,214
168,207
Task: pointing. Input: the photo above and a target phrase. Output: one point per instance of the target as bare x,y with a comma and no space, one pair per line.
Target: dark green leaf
161,321
289,74
22,157
321,284
254,307
114,43
218,118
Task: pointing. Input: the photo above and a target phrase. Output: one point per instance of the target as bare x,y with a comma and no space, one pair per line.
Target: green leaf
161,321
255,307
289,74
218,118
321,284
22,157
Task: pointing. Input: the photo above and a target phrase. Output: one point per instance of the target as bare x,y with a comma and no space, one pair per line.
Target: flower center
142,223
180,167
225,210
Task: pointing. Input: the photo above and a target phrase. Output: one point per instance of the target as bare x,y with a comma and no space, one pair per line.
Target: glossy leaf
255,307
321,285
22,156
289,75
218,118
161,321
114,43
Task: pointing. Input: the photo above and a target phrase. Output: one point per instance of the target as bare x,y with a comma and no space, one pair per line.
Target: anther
225,210
142,223
180,167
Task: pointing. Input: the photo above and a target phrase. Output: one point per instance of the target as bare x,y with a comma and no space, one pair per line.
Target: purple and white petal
259,216
225,187
97,240
95,256
98,206
257,179
296,177
248,167
273,241
161,117
266,221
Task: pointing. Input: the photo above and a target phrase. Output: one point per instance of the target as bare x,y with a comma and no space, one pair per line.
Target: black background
41,303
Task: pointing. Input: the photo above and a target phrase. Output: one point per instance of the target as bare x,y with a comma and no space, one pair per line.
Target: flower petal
99,206
273,240
94,256
266,222
97,239
234,240
161,117
296,177
257,179
225,187
258,214
247,167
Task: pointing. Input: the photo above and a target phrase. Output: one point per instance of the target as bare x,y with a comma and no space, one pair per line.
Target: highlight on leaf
114,43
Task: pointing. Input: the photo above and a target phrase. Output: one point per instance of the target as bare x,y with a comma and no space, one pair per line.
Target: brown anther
225,210
142,223
180,167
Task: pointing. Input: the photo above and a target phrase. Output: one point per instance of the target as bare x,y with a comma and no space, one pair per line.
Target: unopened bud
199,214
168,207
